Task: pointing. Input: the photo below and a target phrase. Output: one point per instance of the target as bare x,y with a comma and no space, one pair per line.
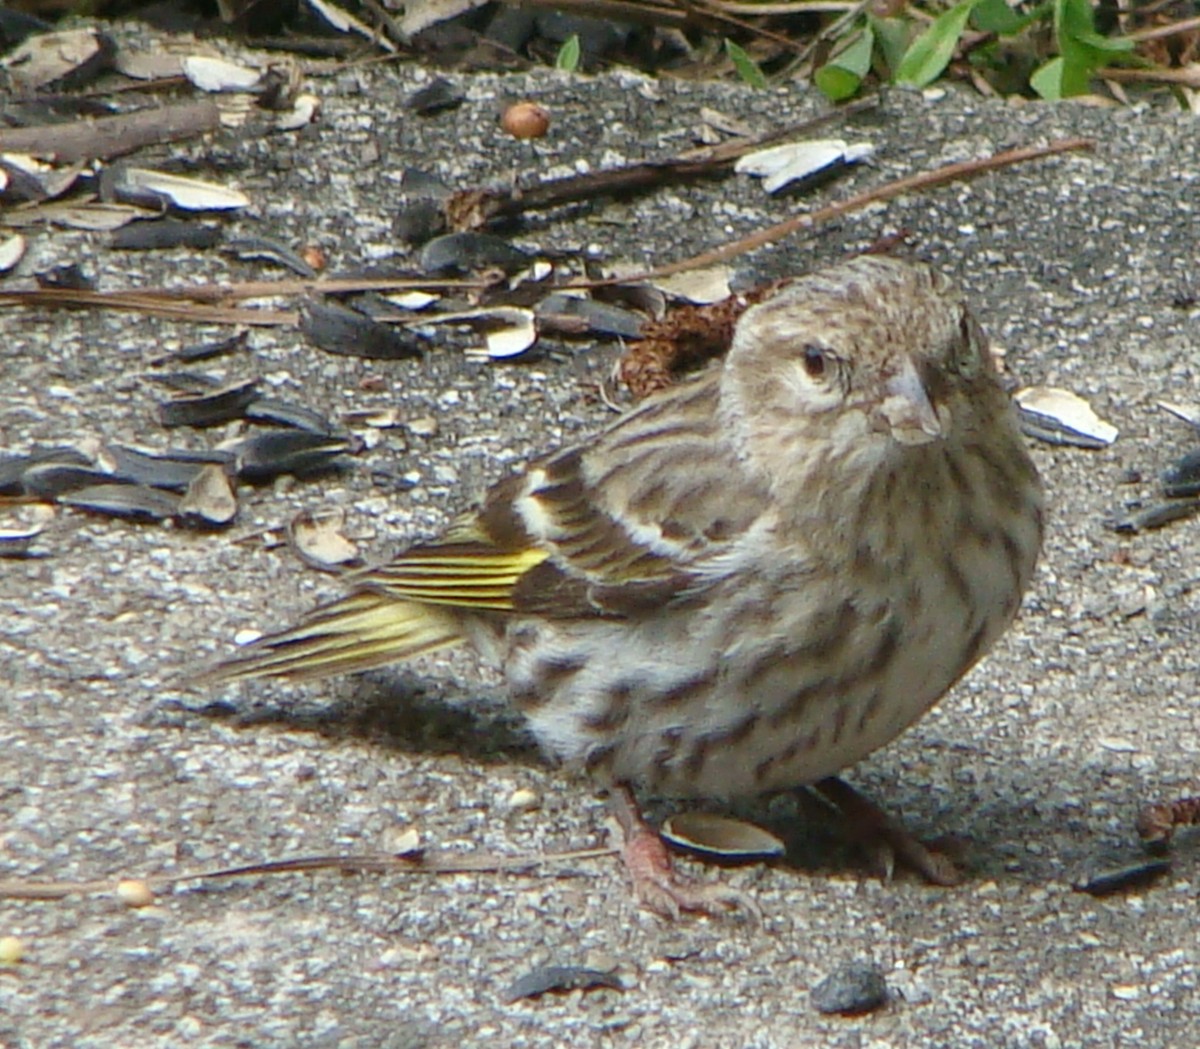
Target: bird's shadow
407,713
395,710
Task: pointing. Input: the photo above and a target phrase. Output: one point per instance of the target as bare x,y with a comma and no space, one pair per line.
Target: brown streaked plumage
754,578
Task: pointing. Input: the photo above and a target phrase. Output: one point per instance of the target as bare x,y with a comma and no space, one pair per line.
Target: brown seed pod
526,120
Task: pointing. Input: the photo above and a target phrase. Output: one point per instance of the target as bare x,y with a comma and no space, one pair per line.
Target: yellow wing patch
466,576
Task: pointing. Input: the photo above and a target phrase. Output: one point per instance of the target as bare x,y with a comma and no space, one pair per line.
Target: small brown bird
751,580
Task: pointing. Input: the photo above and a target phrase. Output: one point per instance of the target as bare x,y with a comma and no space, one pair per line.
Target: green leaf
1061,78
892,36
1047,81
1072,17
568,55
995,16
835,83
1114,45
1081,51
1075,28
931,52
746,67
857,57
841,76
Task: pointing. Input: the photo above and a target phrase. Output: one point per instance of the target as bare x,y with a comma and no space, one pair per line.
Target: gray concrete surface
1039,761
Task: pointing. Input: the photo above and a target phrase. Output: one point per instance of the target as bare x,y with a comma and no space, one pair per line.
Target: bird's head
877,352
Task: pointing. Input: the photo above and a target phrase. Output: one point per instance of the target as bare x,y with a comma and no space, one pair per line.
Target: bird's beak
906,409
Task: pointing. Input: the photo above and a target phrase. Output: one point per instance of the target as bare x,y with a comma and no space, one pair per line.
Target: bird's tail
362,630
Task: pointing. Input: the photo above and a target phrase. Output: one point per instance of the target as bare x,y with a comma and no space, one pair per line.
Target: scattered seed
702,287
133,892
560,978
210,498
1189,413
70,276
526,120
265,456
145,186
423,426
438,96
14,467
18,542
802,164
601,317
216,74
418,220
173,470
287,413
67,58
514,337
271,250
402,841
1058,416
139,502
412,300
12,950
1154,516
466,252
1118,879
378,418
524,800
723,837
208,350
336,329
314,257
318,540
50,480
163,234
187,382
1182,478
211,407
11,250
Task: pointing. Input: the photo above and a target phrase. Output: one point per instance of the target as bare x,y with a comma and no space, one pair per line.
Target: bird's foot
657,886
885,837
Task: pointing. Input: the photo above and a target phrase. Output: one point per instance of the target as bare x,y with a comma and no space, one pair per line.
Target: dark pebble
851,990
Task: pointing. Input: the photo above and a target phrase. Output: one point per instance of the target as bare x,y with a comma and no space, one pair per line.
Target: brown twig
364,863
1188,76
640,13
102,138
474,207
1160,31
910,184
195,302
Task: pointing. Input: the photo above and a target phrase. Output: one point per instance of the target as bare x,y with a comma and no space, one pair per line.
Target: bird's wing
615,527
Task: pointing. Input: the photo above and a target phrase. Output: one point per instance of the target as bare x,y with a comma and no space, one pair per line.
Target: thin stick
201,302
912,183
1158,32
364,863
1188,76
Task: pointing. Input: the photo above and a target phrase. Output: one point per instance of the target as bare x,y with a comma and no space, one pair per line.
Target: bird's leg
656,884
884,834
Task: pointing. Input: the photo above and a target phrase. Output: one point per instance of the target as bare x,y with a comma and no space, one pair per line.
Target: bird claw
662,890
885,838
657,886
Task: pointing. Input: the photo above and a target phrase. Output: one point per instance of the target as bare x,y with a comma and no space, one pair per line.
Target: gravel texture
1081,267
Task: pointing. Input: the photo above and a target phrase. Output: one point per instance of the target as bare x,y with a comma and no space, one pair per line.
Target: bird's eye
816,362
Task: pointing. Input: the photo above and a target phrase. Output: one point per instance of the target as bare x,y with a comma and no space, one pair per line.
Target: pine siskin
748,582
